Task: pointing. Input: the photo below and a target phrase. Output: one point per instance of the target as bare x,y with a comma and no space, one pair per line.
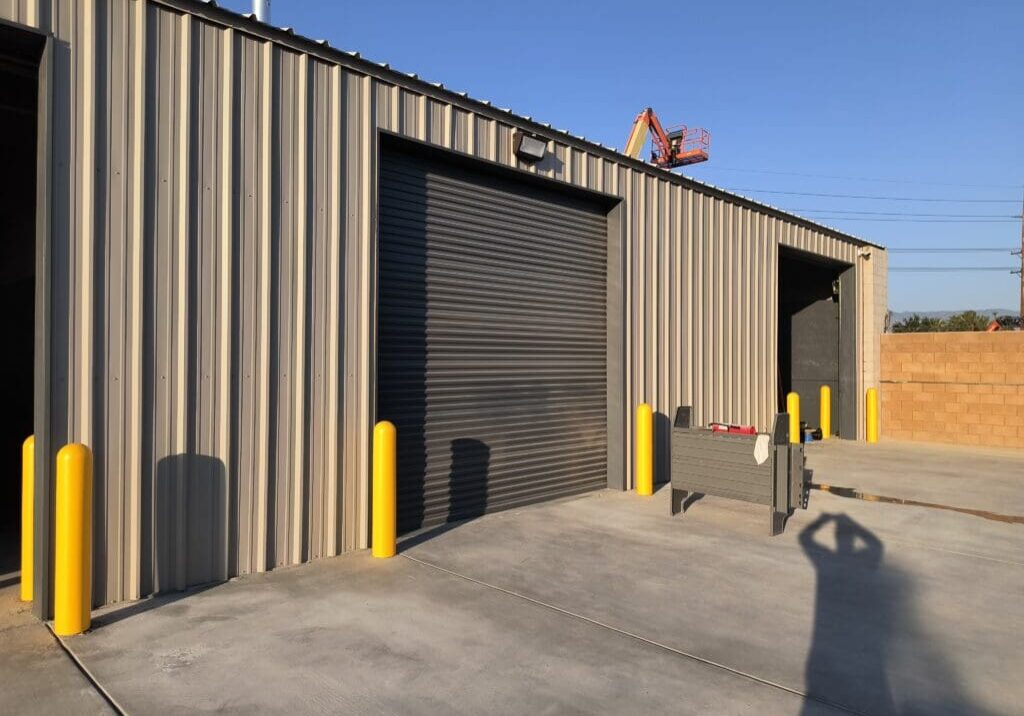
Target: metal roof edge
212,12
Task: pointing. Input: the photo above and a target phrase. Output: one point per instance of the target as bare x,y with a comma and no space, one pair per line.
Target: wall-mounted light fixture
527,147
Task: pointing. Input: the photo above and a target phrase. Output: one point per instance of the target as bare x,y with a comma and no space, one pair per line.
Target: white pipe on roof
261,9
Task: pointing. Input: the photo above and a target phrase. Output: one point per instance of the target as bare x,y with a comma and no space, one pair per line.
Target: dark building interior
18,109
816,337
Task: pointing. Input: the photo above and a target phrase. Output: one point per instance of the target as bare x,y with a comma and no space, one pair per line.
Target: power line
1008,269
874,197
905,213
955,250
922,221
867,179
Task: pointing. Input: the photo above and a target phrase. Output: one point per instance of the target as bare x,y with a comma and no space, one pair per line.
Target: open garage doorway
817,337
19,85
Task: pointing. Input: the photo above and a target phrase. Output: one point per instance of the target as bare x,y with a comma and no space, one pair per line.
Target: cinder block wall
962,388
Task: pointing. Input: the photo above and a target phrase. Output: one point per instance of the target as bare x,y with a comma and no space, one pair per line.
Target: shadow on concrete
865,629
131,609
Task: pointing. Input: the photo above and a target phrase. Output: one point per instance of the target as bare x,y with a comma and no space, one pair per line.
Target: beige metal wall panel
250,421
213,269
322,315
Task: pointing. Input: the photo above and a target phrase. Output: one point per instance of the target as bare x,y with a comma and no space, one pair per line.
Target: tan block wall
961,388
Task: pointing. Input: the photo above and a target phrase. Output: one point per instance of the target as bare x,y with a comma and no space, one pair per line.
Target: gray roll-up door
846,410
491,339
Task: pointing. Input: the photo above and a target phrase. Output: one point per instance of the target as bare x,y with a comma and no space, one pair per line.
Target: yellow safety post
644,450
872,415
28,486
385,502
72,568
826,412
793,408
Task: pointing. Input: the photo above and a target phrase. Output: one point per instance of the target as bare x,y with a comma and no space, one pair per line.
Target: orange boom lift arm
676,148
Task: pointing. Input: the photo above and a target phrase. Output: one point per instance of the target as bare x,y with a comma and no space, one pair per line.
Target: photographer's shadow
865,631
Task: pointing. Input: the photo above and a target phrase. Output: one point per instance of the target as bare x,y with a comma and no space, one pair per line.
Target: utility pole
1021,272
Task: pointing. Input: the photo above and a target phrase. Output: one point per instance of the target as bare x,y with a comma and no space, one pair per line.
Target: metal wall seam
352,301
862,283
709,282
281,291
134,389
719,306
749,396
677,306
366,376
729,307
303,148
107,345
686,286
334,368
260,552
469,140
316,297
752,390
666,309
180,206
743,278
84,54
205,463
325,300
224,241
631,260
773,316
768,399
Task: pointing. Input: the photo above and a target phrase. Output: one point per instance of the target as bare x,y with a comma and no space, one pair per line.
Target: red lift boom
676,148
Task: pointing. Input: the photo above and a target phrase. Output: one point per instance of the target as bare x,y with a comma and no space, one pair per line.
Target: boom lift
676,148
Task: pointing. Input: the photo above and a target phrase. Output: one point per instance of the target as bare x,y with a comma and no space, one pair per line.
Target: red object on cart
735,429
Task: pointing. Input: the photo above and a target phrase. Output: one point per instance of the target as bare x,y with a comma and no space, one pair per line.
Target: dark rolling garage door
491,339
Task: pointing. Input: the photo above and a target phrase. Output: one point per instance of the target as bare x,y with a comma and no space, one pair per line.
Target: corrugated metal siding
214,277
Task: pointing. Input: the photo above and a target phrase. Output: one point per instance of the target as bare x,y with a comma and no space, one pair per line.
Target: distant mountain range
901,315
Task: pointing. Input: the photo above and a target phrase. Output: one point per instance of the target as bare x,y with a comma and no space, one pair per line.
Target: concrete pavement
36,676
605,604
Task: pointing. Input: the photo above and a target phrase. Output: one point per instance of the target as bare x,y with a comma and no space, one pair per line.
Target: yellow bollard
28,486
826,412
793,408
871,415
72,567
644,450
385,501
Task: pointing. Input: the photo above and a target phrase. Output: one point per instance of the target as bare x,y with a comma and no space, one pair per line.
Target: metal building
250,245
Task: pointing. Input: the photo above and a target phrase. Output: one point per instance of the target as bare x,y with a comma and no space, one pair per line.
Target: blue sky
926,94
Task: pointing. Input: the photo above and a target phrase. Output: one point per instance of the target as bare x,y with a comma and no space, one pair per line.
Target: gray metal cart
764,468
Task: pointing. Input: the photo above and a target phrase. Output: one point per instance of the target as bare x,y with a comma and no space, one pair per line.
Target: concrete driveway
36,676
605,604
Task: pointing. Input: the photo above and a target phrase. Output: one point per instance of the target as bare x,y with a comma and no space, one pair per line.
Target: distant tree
918,324
966,321
1009,323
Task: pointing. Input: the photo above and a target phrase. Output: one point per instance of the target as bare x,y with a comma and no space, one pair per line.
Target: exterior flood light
528,148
